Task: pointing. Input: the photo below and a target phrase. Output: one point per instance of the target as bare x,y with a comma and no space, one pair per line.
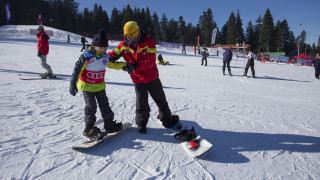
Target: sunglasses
130,35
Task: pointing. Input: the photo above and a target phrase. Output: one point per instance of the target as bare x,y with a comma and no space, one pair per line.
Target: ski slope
262,128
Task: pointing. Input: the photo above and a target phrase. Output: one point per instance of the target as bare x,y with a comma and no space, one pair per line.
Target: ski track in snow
262,128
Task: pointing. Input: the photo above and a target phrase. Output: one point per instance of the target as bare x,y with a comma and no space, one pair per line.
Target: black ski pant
317,70
224,66
250,64
83,46
155,89
90,109
204,59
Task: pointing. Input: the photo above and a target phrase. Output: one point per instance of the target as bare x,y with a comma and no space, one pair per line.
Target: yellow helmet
130,29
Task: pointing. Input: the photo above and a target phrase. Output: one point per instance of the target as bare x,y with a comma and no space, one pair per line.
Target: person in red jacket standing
139,51
43,50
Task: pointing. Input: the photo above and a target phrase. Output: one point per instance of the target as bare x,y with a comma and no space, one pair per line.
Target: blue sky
294,11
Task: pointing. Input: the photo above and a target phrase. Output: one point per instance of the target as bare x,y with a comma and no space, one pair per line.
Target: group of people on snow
139,52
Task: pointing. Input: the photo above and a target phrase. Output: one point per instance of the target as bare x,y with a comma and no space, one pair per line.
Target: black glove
131,67
39,54
124,68
73,89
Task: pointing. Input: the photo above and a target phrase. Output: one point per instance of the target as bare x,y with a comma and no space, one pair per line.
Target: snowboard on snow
164,62
194,145
36,77
106,136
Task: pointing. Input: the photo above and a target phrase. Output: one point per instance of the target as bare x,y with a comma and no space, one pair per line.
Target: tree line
262,34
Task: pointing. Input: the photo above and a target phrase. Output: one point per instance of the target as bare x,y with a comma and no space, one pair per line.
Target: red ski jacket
43,44
143,54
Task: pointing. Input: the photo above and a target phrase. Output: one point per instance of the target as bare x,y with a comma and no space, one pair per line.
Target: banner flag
8,12
214,34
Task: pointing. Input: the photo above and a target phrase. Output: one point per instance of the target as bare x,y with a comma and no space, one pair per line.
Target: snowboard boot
113,127
93,133
142,129
186,135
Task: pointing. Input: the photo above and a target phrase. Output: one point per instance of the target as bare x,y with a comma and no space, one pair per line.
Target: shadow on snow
227,145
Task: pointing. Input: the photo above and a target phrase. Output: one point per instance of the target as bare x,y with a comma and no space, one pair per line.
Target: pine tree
164,27
148,22
156,26
267,32
182,31
172,31
231,29
224,34
278,36
288,40
116,17
250,36
239,29
127,15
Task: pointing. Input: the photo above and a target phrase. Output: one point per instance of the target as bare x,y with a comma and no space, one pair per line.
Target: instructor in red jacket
139,51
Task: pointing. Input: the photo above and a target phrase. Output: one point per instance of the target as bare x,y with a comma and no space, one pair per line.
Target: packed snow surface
261,128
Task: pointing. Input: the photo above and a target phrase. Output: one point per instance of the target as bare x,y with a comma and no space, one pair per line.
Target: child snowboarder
88,76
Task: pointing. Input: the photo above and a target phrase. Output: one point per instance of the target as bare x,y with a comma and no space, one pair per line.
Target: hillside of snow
261,128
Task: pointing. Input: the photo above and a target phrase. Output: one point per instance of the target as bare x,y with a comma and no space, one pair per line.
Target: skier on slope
88,76
83,41
250,63
205,54
139,51
316,63
43,51
227,56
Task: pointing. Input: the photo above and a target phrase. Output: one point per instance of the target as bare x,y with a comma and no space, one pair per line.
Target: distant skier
68,38
83,41
205,54
139,51
316,63
43,51
195,49
183,48
198,48
88,75
227,57
250,64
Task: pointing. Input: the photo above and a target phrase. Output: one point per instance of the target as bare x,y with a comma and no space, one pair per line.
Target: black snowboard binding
93,134
188,136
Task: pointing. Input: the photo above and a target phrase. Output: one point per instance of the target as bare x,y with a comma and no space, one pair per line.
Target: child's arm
116,65
77,69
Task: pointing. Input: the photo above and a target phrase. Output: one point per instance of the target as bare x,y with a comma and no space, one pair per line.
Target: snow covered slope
262,128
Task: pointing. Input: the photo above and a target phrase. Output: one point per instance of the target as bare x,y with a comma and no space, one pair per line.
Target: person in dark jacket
227,57
88,76
316,63
204,54
83,41
139,51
